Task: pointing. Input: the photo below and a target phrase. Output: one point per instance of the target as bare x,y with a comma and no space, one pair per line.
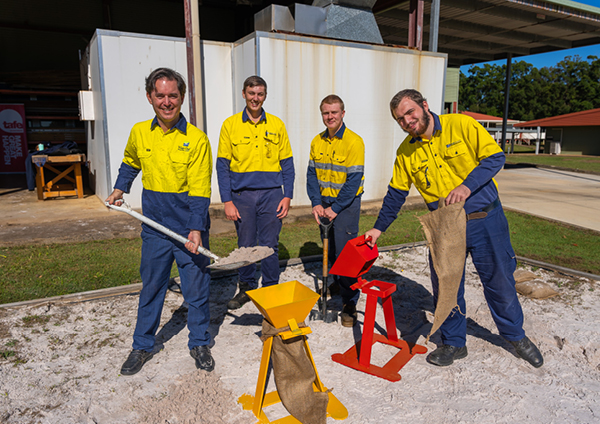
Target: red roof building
585,118
484,119
575,133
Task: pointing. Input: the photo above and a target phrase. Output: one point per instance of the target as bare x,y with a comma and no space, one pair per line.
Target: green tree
572,85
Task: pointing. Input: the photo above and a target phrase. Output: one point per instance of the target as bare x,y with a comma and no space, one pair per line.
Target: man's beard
426,119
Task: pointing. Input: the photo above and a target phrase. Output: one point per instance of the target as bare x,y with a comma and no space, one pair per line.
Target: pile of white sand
60,363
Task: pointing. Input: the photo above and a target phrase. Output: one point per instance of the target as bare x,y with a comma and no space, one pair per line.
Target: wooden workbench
72,173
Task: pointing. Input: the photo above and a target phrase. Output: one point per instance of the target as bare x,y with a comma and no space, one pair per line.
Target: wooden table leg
39,182
79,180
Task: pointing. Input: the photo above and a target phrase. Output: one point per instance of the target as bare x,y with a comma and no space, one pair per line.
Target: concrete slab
570,197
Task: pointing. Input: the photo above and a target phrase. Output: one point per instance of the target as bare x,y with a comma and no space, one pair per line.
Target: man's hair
331,99
167,73
409,93
254,81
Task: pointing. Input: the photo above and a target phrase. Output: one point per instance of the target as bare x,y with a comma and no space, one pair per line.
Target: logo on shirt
454,143
186,144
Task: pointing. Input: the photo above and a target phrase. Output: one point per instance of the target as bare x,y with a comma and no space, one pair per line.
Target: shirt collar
338,134
437,128
263,115
181,125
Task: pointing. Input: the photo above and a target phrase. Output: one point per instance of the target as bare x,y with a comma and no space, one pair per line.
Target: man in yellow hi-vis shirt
176,164
254,161
334,182
453,157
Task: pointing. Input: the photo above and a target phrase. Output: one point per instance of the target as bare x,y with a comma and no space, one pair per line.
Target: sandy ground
65,360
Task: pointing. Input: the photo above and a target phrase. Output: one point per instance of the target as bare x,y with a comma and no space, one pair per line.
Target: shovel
226,265
321,313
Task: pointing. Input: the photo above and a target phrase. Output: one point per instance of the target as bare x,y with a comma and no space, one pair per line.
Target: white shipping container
299,71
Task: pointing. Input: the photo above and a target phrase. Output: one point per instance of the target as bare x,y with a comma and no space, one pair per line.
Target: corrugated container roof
586,118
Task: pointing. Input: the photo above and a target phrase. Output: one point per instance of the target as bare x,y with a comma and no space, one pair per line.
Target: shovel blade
327,317
229,266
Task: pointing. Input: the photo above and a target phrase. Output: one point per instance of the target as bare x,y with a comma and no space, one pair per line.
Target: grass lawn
575,162
33,272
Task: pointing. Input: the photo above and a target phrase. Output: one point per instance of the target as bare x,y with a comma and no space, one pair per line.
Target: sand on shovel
246,254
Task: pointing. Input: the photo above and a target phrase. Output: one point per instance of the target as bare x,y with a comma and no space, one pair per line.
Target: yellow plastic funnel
283,302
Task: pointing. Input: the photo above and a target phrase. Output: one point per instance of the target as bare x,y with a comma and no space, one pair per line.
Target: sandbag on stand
294,377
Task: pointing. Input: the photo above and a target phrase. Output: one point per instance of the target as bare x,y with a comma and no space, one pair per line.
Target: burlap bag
294,376
536,289
446,232
522,275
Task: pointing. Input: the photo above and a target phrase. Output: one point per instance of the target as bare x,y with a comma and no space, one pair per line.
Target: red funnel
356,258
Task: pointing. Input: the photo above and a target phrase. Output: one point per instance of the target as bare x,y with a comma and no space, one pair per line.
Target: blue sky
550,59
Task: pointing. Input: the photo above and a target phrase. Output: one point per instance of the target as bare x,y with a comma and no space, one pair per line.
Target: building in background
574,133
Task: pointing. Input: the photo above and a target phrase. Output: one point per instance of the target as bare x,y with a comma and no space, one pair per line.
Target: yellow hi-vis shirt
176,171
254,155
439,165
335,161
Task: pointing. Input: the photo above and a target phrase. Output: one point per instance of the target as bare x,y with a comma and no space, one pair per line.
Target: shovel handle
162,229
325,257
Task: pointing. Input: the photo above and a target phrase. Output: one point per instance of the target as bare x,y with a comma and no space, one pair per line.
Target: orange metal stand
356,259
359,355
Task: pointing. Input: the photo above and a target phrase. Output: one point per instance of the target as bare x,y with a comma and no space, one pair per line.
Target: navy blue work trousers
259,226
158,254
488,242
344,228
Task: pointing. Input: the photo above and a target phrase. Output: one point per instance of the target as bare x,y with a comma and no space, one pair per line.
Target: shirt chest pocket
145,157
179,163
339,160
271,143
419,176
241,148
455,150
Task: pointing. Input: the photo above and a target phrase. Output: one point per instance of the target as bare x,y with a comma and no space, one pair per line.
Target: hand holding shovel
236,259
324,225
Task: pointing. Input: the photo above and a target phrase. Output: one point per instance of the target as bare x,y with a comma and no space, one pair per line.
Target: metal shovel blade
242,257
230,266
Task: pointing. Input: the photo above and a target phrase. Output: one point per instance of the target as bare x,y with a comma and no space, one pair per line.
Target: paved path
569,197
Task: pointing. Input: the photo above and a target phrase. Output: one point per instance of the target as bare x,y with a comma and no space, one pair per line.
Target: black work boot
446,354
528,351
241,298
204,359
135,361
348,315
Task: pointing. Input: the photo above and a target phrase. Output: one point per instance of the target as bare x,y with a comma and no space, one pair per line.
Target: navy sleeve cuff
224,179
289,174
127,174
198,213
392,203
312,186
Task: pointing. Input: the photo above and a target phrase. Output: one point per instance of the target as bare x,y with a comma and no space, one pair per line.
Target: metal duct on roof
347,23
362,4
274,18
333,20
